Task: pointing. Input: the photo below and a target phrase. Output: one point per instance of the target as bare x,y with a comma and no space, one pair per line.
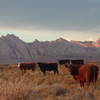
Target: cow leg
94,85
54,72
88,84
81,83
44,72
23,71
57,71
32,69
94,80
88,81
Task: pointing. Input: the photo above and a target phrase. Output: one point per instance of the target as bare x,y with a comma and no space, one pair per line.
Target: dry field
36,86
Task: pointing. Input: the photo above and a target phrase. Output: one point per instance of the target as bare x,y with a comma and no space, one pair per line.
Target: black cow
66,61
77,61
48,67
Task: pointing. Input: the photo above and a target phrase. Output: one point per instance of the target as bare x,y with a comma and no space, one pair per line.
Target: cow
64,61
87,73
27,66
77,61
48,67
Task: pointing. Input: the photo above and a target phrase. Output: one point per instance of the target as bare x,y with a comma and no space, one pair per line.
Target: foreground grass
36,86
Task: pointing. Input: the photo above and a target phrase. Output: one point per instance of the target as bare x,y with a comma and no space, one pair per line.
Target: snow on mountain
13,50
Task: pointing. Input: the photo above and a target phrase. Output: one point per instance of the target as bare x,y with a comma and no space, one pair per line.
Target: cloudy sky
50,19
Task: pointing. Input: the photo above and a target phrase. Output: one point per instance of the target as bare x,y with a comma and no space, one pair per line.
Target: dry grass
36,86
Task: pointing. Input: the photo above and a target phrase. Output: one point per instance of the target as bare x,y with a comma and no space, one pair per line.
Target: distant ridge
13,50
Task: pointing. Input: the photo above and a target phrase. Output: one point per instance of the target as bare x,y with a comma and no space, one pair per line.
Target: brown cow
87,73
27,66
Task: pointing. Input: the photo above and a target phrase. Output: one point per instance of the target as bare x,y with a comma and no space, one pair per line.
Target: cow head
68,67
73,69
18,64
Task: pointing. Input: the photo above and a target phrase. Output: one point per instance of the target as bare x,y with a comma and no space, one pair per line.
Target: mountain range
14,50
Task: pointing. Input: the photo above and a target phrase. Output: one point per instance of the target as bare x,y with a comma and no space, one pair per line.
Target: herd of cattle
82,73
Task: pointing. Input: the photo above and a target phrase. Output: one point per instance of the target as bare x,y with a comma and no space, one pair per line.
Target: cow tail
95,74
94,79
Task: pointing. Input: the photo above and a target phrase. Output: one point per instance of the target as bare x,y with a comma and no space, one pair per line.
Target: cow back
27,66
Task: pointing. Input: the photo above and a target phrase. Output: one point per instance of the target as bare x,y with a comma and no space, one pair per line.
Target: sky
50,19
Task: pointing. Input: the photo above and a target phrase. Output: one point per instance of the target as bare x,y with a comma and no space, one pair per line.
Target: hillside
13,50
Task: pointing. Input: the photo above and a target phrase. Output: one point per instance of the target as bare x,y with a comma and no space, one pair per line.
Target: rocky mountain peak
61,40
97,43
10,37
13,49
